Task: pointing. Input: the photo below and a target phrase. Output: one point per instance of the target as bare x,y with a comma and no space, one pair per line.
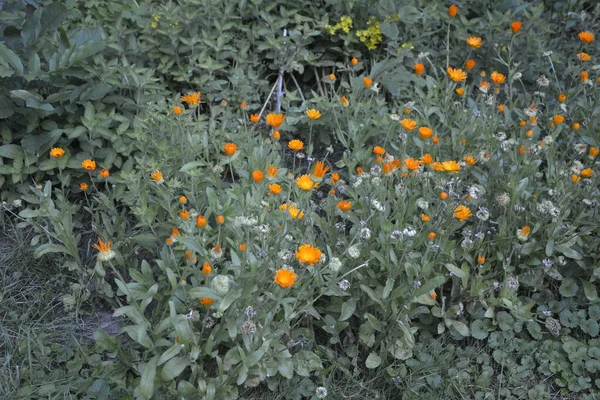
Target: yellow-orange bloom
408,124
230,149
450,166
368,82
308,254
257,176
57,152
106,253
206,268
272,171
469,64
427,159
586,37
200,221
378,150
313,114
294,211
419,68
296,145
344,100
584,56
498,78
470,160
185,214
305,183
457,75
459,91
88,165
443,195
584,76
344,205
576,126
593,153
243,105
177,110
425,218
319,171
558,119
452,10
254,118
432,235
83,186
462,213
104,173
285,278
575,178
425,132
206,301
586,173
412,164
562,98
515,26
474,42
275,120
192,99
275,188
354,61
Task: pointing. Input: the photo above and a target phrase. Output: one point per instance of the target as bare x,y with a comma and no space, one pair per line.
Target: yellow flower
427,159
457,75
450,166
272,171
275,120
106,253
586,173
575,178
157,176
254,118
412,164
474,42
462,213
296,145
313,114
104,173
192,99
308,254
319,171
305,183
425,132
460,91
498,78
275,188
57,152
88,165
593,153
470,160
295,212
285,278
408,124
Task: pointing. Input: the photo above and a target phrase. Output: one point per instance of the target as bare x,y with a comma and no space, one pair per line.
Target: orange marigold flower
344,205
185,214
88,165
575,178
257,176
419,68
106,253
470,160
308,254
501,108
220,219
294,211
474,42
586,173
104,173
521,149
452,10
182,199
276,134
462,213
359,170
576,126
522,123
427,159
387,168
254,118
313,114
515,26
285,278
275,120
435,140
558,119
243,105
57,152
529,133
175,232
408,124
432,235
354,61
344,100
177,110
83,186
480,259
459,91
425,218
433,295
443,195
368,82
412,164
524,232
584,76
272,171
319,171
584,56
457,75
332,77
230,149
305,183
425,132
593,153
157,176
378,150
469,64
450,166
191,99
207,301
334,178
498,78
296,145
242,247
586,37
169,241
206,268
200,221
275,188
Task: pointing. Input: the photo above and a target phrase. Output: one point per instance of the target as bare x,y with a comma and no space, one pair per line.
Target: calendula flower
294,212
584,76
462,213
275,188
515,26
106,253
452,10
332,77
104,173
470,160
474,42
344,205
185,214
83,186
230,149
191,99
354,61
206,268
243,105
305,183
587,173
575,178
459,91
177,110
201,221
425,218
182,199
457,75
484,87
368,82
450,166
284,278
412,164
344,100
378,150
584,56
558,119
272,171
88,165
296,145
275,120
257,176
469,64
408,124
433,295
254,118
523,233
593,152
319,171
419,68
220,219
427,159
431,235
57,152
313,114
586,37
206,301
562,98
425,132
498,78
308,254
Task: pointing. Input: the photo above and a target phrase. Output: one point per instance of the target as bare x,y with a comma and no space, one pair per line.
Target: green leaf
590,290
32,100
460,327
373,361
549,248
11,151
254,357
430,285
106,342
568,287
568,252
49,248
228,300
456,271
192,165
534,330
11,58
348,308
479,329
7,108
169,353
147,381
174,367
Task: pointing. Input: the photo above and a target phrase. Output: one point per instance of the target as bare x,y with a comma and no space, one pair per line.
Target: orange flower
332,77
432,235
425,218
344,205
242,247
57,152
584,56
433,295
182,199
462,213
419,68
284,278
484,86
220,219
106,253
443,195
470,160
450,166
334,178
576,126
425,132
575,178
469,64
177,110
368,82
308,254
276,134
501,108
257,176
104,173
586,173
435,140
206,268
378,150
359,170
584,76
185,214
452,10
586,37
427,159
498,78
223,102
594,151
294,211
272,171
88,165
191,99
175,232
522,123
412,164
480,259
275,188
459,91
313,114
188,256
157,176
305,183
529,133
230,149
354,61
474,42
457,75
275,120
243,105
254,118
562,98
408,124
515,26
200,221
558,119
83,186
296,145
344,100
319,171
206,301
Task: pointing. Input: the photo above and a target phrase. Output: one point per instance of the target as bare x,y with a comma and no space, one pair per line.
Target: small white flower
344,285
548,54
516,76
500,136
395,117
321,392
377,205
543,81
409,231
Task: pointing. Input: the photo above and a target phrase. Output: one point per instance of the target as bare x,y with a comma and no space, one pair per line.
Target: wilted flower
221,284
321,392
354,251
523,233
105,252
344,284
